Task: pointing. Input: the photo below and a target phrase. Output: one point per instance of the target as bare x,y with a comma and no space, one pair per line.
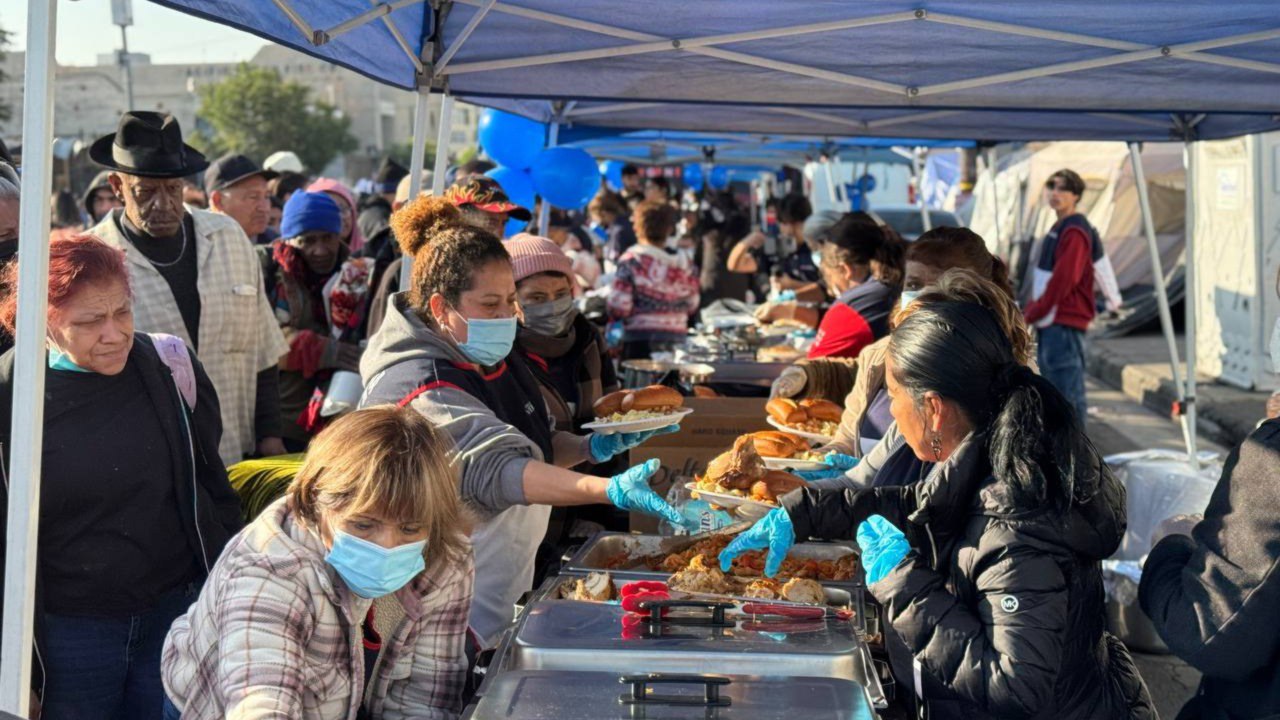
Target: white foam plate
630,426
728,500
815,437
794,464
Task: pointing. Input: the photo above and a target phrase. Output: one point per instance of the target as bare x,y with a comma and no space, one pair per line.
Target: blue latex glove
839,465
773,531
785,296
604,447
631,491
883,547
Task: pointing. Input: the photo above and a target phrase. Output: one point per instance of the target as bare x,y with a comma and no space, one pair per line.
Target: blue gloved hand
883,547
773,531
631,491
784,296
839,464
604,447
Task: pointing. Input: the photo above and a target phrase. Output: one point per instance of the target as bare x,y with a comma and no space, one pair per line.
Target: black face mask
8,249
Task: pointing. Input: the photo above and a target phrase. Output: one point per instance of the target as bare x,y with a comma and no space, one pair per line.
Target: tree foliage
256,113
402,152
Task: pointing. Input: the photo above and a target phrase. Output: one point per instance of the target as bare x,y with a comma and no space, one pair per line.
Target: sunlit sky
85,31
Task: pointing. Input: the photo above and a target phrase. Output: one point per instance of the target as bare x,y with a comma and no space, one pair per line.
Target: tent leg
1189,303
918,173
1157,272
995,196
419,148
28,386
544,209
831,181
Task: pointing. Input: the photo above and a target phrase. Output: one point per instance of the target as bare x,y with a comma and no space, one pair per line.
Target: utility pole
122,15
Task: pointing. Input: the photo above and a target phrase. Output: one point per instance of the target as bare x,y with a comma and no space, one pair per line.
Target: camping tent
1134,70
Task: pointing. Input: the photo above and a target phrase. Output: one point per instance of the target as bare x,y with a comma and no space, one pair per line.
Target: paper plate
630,426
815,437
728,500
794,464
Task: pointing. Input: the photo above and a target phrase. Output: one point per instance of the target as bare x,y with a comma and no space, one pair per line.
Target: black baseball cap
231,169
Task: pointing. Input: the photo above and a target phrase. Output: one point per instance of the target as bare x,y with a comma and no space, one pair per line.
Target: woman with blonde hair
349,595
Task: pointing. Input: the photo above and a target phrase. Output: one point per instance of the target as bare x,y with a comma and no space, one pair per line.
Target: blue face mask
816,256
489,341
908,297
59,360
372,571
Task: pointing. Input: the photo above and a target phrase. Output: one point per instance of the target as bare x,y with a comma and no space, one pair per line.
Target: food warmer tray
603,695
839,598
593,554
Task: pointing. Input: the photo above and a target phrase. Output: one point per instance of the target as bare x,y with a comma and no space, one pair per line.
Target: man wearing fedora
237,188
194,274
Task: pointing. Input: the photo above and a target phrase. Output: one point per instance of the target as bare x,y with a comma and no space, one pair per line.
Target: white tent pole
995,196
443,137
918,173
1189,303
420,112
28,384
1157,272
831,180
544,211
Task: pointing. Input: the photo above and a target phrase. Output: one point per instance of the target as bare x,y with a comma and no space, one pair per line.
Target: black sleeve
1213,596
266,408
208,429
835,513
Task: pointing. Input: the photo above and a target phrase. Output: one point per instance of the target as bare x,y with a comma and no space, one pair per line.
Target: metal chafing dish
842,598
603,695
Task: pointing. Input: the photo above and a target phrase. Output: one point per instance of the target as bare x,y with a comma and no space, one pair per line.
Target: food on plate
595,587
803,590
774,484
705,554
775,444
639,404
821,417
702,391
780,353
737,469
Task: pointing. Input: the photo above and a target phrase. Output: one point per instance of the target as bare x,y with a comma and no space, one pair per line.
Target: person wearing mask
654,292
1062,303
237,188
988,567
576,244
320,296
134,501
194,275
99,200
10,194
376,212
633,189
609,212
447,349
350,236
345,598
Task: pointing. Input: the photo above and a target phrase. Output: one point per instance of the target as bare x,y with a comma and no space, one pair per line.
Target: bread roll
774,444
785,411
802,590
774,484
824,410
656,397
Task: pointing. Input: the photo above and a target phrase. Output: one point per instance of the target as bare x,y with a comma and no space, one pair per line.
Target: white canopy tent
1137,70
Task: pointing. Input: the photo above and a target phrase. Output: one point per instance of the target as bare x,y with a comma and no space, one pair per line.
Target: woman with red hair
134,501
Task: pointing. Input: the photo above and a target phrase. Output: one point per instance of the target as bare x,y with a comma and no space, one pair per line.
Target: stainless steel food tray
593,553
841,598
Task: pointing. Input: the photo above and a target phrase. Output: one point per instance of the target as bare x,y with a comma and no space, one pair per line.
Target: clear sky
85,31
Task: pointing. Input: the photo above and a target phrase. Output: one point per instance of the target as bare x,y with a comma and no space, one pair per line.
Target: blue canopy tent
1001,70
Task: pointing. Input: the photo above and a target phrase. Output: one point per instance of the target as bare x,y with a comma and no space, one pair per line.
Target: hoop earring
935,444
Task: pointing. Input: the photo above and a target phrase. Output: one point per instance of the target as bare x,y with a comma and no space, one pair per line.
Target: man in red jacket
1062,303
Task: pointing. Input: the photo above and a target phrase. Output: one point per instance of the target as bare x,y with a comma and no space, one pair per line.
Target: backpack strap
174,354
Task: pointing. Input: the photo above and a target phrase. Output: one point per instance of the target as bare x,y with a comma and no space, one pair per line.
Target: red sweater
1066,277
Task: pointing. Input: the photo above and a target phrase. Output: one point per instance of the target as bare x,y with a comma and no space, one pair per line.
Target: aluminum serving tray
840,598
593,554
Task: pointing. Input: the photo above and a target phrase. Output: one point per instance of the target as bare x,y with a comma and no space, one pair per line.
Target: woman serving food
446,350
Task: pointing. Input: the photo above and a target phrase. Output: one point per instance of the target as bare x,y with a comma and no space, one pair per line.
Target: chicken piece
739,468
763,588
804,591
773,484
700,580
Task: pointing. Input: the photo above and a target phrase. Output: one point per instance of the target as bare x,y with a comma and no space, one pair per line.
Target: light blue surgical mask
816,256
372,571
59,360
908,297
488,340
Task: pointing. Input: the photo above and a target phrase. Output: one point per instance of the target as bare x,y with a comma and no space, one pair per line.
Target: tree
402,152
256,113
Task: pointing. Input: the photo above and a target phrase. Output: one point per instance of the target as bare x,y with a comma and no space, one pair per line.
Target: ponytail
889,263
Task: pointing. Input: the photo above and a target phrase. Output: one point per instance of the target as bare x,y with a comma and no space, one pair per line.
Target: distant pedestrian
376,213
1062,303
655,292
237,188
98,198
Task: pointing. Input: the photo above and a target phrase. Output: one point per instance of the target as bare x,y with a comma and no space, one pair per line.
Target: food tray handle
640,695
715,619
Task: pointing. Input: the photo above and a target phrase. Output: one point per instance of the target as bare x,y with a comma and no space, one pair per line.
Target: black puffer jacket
1001,607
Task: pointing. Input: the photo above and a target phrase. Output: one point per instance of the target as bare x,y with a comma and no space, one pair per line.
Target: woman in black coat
988,567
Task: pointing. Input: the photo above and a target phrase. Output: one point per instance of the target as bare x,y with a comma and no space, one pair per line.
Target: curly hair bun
421,220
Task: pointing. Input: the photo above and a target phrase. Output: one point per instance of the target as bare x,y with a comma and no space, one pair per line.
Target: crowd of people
429,426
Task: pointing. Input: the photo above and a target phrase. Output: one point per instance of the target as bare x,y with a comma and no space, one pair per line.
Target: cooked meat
774,484
738,468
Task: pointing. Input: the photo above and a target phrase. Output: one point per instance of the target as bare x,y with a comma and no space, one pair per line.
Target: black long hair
858,239
1038,450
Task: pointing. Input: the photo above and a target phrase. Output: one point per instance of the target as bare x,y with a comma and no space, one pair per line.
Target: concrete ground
1118,424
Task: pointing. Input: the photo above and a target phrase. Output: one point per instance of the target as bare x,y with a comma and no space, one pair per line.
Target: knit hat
531,254
310,212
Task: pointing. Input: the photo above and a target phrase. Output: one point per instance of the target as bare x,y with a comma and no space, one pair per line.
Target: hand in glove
883,547
784,296
773,531
631,491
839,464
790,383
340,355
604,447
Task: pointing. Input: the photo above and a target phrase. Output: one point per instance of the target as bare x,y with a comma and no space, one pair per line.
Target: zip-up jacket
1062,285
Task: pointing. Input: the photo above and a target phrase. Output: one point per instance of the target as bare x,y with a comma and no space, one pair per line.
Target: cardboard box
709,431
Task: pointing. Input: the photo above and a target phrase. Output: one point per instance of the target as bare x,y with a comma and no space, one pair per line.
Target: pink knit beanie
531,254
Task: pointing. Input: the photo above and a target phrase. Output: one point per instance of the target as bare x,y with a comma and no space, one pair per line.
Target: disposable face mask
551,318
908,297
488,340
1275,347
59,360
372,571
816,257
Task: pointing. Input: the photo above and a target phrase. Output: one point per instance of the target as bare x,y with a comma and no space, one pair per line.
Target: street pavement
1118,424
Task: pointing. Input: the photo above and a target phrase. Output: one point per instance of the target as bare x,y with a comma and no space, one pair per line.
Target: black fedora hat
148,144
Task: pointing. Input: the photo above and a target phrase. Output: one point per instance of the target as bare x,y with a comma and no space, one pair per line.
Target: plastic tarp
999,70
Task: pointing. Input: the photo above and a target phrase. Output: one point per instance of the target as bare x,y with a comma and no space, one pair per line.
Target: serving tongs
680,543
